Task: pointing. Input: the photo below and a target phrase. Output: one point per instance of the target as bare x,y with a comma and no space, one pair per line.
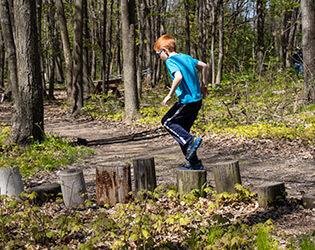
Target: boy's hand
166,99
204,91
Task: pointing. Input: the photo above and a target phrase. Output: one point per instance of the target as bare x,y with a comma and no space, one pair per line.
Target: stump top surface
273,184
112,165
191,171
229,162
70,172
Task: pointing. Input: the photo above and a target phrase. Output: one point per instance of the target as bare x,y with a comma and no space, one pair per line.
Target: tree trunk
39,28
308,31
260,36
77,92
104,47
65,45
213,37
129,62
51,52
86,70
28,119
221,43
140,9
7,32
2,60
187,27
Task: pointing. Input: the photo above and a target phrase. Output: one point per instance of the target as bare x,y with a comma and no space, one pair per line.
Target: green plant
52,153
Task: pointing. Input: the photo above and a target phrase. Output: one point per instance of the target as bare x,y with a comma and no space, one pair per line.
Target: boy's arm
177,79
204,85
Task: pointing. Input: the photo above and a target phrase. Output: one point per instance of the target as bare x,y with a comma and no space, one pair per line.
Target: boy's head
165,42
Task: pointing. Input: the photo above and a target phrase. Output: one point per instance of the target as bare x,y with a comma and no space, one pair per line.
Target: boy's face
163,54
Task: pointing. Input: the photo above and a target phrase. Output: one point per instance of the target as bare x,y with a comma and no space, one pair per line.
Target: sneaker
191,166
192,147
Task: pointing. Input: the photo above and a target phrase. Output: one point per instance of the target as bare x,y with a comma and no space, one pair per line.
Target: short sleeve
172,67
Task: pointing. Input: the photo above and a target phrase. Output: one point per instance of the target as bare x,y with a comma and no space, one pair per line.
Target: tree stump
113,183
46,192
226,175
271,194
73,187
188,180
144,174
11,181
308,200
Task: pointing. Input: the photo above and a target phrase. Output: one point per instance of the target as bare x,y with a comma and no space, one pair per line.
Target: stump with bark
113,183
144,174
271,194
187,180
308,200
226,175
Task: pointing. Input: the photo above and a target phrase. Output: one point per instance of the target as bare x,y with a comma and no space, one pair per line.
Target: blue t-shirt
189,89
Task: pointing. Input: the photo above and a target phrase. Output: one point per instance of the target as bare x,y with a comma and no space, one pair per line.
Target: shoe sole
191,168
193,151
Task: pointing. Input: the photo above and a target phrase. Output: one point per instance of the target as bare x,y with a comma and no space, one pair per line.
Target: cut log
271,194
113,183
73,187
226,175
308,200
144,174
46,192
187,180
11,181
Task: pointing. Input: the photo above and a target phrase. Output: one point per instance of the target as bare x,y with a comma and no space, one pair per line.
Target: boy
185,83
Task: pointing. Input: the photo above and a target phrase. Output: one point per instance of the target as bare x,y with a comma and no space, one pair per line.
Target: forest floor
261,161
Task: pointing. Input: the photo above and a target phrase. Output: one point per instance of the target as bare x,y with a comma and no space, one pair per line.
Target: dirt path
121,143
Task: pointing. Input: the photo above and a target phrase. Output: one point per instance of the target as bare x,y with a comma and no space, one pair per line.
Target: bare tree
129,58
25,74
77,91
308,30
221,42
65,44
260,35
2,61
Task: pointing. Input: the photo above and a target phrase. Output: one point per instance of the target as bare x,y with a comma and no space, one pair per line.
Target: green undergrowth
154,220
51,154
272,108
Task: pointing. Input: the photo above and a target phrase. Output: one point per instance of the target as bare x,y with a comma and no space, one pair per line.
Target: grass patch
53,153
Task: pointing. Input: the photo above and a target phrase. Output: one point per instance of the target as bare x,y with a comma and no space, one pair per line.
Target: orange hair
165,41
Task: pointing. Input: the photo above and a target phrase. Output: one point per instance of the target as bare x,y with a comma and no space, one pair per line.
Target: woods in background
77,42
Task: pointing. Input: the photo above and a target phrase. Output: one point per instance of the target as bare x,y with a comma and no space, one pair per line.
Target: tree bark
260,36
28,119
129,62
221,43
2,60
308,31
77,91
113,183
65,45
187,27
7,32
86,69
213,37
